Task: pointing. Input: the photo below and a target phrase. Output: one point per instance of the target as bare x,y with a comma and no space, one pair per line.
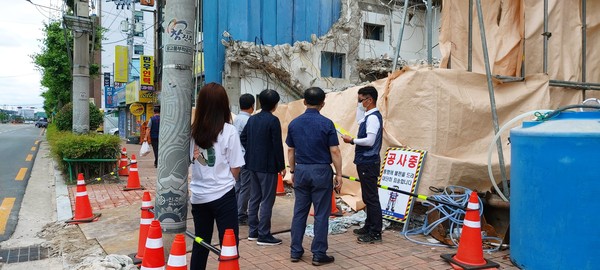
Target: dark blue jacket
366,154
261,138
155,126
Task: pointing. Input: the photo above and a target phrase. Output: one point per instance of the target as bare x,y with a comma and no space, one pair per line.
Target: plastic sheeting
445,112
510,22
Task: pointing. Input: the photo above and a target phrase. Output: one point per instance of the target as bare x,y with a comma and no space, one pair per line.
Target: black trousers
224,212
154,142
368,174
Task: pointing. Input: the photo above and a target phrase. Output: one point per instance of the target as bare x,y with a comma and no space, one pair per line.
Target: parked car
42,123
114,131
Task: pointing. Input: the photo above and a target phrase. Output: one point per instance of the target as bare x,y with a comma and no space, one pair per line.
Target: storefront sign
136,109
110,97
147,72
121,64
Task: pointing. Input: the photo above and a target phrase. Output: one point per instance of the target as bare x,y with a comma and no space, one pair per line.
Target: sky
21,25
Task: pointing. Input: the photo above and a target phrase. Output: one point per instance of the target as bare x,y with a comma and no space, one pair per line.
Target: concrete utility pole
176,104
81,26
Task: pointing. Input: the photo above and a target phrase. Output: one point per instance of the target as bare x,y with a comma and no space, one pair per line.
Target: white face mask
360,112
361,107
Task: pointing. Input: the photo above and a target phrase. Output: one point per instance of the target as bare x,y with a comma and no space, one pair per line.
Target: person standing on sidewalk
216,155
264,155
313,146
152,133
368,161
242,186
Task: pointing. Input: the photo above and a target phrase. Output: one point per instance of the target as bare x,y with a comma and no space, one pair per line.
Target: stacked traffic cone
470,250
146,219
83,208
123,163
133,181
280,190
229,254
177,259
154,258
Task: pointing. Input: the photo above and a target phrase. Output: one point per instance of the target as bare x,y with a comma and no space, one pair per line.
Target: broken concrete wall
414,42
289,69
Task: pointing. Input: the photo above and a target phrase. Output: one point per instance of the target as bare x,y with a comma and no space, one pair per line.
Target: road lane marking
29,157
36,142
21,174
5,208
33,148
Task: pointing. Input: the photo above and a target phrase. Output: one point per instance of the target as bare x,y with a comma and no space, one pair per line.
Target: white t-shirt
211,171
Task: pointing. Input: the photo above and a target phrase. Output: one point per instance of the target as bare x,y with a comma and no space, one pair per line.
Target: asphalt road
18,147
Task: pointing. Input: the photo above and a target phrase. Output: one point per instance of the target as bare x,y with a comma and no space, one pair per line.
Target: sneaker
361,231
371,238
268,241
322,261
252,237
295,258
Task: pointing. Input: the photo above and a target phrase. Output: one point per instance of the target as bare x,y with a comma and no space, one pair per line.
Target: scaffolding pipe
583,42
488,74
575,85
546,36
470,59
400,35
429,34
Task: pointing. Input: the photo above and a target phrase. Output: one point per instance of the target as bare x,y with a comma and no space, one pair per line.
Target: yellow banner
121,64
199,69
132,91
147,72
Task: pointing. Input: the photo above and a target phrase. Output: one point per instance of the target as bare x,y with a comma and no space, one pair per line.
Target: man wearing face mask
367,159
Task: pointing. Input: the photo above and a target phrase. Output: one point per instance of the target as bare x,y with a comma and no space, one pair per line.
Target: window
332,64
373,31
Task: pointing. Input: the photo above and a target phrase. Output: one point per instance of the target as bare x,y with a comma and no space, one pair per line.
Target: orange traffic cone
123,163
83,208
334,210
133,181
280,189
177,259
229,254
146,219
470,250
154,258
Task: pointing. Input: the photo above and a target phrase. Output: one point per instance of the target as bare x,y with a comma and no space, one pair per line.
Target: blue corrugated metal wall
271,22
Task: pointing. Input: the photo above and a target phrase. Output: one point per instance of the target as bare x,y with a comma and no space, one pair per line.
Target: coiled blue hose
451,194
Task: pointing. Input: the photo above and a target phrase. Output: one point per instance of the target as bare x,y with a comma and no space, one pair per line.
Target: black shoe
243,222
295,258
268,241
322,261
252,237
361,231
371,238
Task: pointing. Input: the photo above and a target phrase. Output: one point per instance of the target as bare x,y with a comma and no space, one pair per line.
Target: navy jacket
261,138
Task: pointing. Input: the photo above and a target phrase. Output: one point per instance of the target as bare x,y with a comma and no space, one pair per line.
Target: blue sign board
110,99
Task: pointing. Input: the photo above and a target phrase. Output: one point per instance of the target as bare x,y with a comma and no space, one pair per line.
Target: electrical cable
452,215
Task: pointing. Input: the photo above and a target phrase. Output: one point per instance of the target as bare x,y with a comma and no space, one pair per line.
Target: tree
54,63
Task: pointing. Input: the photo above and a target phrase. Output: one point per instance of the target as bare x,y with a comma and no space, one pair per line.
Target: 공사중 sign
400,170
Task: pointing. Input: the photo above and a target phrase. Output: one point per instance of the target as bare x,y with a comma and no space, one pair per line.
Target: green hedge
65,144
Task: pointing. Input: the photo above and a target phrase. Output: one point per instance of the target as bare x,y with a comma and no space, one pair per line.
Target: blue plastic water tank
555,193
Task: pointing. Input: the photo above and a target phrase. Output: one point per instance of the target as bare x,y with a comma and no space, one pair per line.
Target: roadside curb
63,203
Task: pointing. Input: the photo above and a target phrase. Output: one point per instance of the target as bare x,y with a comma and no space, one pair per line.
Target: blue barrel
555,193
